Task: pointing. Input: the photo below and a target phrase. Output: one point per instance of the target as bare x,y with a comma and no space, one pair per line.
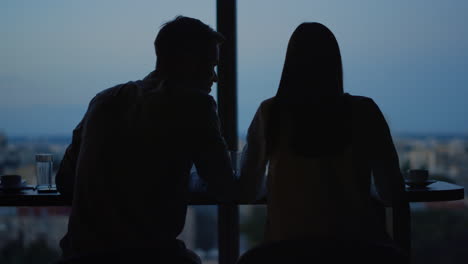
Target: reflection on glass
200,232
100,51
31,233
252,226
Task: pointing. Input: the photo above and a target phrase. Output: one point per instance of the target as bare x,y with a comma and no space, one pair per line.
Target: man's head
187,50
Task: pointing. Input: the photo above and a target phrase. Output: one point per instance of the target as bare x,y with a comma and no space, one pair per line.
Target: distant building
3,141
444,157
28,224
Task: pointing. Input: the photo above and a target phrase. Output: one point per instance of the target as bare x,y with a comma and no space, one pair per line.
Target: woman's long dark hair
311,94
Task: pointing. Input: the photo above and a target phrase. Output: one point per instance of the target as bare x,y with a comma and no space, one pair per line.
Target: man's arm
210,153
66,173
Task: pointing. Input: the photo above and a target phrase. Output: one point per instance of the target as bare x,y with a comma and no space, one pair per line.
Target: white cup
10,181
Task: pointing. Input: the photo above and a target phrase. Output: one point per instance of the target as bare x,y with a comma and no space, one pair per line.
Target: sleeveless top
323,197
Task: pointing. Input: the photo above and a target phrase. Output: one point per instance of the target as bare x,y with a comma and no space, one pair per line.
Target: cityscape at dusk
410,57
445,156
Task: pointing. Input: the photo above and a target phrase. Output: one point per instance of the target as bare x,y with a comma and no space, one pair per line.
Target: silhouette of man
127,168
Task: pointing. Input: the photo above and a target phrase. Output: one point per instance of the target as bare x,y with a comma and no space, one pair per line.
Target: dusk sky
411,57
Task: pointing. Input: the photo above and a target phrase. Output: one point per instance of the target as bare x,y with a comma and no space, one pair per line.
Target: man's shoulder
117,94
115,90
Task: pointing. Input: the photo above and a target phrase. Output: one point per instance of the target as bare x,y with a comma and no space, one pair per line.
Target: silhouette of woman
325,151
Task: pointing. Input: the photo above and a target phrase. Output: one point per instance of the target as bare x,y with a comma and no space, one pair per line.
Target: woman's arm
384,159
254,156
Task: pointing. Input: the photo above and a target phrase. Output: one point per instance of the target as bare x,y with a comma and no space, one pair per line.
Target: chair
323,251
401,228
343,251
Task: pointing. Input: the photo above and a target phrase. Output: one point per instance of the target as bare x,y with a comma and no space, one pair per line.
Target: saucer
46,188
419,184
16,188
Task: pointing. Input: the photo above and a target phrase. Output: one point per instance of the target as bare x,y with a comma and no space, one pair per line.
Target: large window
54,57
411,58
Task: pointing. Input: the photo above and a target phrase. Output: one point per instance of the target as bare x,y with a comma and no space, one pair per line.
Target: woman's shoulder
359,98
263,110
360,101
267,103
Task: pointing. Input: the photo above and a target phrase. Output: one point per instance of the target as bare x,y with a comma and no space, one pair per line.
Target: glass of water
44,167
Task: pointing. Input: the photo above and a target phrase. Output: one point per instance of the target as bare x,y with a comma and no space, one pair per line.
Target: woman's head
312,68
310,92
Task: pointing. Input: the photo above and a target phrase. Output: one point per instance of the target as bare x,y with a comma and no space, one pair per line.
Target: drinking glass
44,167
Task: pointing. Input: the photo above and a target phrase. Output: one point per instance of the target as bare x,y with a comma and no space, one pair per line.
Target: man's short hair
185,36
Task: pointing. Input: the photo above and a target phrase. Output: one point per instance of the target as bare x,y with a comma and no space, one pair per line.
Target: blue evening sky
410,56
